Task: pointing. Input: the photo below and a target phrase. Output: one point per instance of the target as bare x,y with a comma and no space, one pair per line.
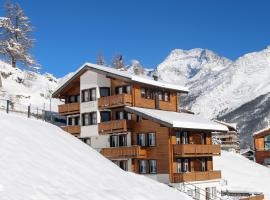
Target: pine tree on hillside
118,62
15,39
100,59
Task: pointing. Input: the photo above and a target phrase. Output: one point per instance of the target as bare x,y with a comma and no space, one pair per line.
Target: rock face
221,88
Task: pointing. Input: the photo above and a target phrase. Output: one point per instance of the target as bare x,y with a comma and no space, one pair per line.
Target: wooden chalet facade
135,122
262,146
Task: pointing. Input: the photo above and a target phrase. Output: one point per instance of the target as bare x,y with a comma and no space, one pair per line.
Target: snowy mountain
41,161
26,87
219,86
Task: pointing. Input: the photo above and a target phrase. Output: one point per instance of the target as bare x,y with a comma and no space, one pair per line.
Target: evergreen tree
100,59
118,62
137,67
15,39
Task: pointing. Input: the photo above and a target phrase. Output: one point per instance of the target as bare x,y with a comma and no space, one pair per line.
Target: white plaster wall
91,80
100,141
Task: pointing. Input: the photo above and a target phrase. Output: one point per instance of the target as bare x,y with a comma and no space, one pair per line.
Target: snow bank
243,174
39,161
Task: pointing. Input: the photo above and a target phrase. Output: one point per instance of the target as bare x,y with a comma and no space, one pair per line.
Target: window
178,137
85,95
152,166
119,115
86,141
119,90
89,118
142,166
138,118
267,142
114,141
266,161
185,137
73,99
86,120
105,116
128,89
104,91
151,138
122,140
186,165
203,138
203,164
166,96
160,96
89,95
127,115
69,121
179,165
76,120
149,94
123,165
143,95
141,139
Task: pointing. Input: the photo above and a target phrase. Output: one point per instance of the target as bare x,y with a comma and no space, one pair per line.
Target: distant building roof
121,74
230,125
177,120
265,131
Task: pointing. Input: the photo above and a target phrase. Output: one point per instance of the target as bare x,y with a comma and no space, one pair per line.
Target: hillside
26,87
243,174
40,161
220,88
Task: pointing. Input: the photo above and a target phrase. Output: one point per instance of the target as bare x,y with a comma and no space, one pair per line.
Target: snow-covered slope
25,87
243,174
39,161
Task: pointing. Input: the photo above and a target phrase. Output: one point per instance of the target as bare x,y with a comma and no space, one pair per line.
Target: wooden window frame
91,98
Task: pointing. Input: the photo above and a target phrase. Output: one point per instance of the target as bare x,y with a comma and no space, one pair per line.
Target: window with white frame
89,95
89,118
179,165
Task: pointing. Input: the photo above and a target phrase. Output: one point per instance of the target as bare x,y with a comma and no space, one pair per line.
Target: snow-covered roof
262,131
178,120
230,125
122,75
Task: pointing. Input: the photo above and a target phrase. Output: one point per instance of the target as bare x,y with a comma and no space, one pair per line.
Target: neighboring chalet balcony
113,126
195,150
69,108
115,101
74,130
196,176
124,152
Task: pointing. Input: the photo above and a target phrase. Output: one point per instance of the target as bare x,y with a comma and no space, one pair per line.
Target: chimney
155,75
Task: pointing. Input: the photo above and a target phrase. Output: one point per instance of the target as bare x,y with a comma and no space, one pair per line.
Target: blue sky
71,32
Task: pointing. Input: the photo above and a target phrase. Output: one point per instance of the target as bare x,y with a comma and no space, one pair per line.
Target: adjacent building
262,146
229,141
137,123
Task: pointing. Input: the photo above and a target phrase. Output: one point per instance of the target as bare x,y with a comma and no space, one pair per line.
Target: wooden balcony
74,130
124,152
69,108
115,101
196,176
113,126
196,150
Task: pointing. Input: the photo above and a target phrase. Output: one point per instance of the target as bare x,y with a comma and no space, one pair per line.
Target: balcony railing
196,176
69,108
115,101
121,125
189,150
124,152
74,130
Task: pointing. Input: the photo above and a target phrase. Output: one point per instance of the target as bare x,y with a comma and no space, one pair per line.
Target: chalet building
229,141
136,123
262,146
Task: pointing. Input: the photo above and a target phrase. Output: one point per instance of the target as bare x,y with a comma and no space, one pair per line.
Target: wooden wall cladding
116,83
261,155
138,101
161,151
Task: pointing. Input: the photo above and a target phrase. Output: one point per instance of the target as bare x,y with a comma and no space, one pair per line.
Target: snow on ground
243,174
39,161
25,87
